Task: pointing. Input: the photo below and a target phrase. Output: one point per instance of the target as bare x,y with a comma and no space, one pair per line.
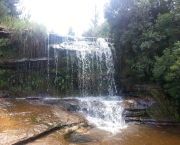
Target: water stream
95,67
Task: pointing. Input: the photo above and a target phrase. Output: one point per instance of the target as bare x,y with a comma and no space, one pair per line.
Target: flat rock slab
21,120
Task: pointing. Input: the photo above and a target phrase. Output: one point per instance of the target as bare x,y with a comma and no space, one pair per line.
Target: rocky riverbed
21,120
56,121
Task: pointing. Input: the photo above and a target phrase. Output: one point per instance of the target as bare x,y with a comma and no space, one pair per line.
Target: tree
8,8
95,20
71,32
89,33
11,4
3,9
167,70
141,30
93,30
102,30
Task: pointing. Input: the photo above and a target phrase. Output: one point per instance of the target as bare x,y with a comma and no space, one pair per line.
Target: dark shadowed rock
78,138
4,94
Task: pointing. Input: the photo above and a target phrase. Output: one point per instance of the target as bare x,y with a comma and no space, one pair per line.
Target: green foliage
168,28
8,8
61,79
95,19
29,38
89,33
167,70
3,83
165,109
3,9
95,30
4,42
141,30
11,4
24,40
71,32
102,30
133,35
23,82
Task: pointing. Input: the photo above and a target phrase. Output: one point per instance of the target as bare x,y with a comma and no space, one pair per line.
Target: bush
167,70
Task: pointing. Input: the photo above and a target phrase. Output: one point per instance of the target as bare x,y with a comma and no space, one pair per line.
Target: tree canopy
144,31
71,32
8,7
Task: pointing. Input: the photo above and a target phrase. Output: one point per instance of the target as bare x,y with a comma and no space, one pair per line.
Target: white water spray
103,112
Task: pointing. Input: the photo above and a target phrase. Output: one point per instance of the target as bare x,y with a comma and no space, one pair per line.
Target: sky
59,15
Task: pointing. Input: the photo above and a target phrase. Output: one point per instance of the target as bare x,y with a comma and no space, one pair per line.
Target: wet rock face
4,93
137,103
68,104
135,88
135,110
21,120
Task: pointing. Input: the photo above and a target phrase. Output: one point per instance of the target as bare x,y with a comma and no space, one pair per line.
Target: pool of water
132,135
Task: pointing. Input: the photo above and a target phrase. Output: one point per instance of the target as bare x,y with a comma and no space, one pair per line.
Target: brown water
132,135
20,120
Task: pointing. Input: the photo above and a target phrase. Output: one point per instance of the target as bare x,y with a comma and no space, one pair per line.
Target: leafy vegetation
29,39
20,38
96,30
147,38
71,32
147,35
23,81
167,70
142,30
61,79
165,109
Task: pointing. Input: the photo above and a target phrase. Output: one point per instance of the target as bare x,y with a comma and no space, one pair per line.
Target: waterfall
48,41
103,112
95,64
94,59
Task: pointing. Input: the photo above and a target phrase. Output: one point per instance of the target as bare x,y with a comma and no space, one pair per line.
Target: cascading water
95,71
95,68
103,112
48,62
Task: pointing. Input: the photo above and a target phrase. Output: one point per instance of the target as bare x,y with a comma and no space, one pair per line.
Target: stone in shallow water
78,138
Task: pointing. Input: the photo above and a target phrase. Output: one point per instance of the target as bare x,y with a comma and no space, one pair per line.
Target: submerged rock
78,138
